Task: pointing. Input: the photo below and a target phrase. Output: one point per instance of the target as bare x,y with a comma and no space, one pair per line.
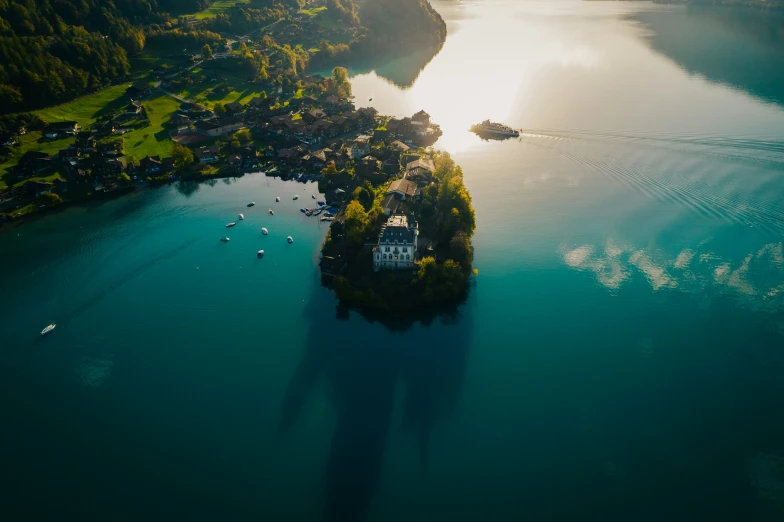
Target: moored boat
271,212
229,225
277,199
48,329
296,197
260,254
241,216
264,231
290,239
225,240
252,203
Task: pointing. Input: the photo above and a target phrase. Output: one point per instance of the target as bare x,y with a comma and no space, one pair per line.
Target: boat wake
680,179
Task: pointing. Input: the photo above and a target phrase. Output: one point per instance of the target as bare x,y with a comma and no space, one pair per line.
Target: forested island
403,246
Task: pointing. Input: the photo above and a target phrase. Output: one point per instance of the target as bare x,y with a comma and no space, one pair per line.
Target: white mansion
396,244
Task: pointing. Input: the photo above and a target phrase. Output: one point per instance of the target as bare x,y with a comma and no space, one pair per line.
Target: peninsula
179,89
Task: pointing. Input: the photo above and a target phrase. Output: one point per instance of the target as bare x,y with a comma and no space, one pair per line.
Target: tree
243,136
357,222
50,198
182,155
342,84
123,178
219,109
206,52
460,249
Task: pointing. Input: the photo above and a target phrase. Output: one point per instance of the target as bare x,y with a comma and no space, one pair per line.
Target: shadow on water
741,47
363,368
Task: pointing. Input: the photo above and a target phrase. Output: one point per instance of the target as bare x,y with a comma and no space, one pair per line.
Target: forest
52,51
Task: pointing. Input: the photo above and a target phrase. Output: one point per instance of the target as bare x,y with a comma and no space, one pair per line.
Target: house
151,165
360,147
206,154
367,114
313,116
420,171
391,166
420,121
86,142
138,90
110,148
37,188
134,108
103,167
399,147
60,185
234,108
33,162
367,167
392,205
218,126
397,244
404,189
180,120
61,129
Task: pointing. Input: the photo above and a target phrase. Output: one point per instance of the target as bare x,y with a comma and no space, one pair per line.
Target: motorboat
289,239
48,329
312,196
277,200
296,197
229,225
303,210
264,231
271,212
260,254
308,212
321,203
225,239
241,216
252,204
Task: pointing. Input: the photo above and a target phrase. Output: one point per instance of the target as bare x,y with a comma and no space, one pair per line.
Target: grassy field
218,7
87,109
152,140
313,11
31,141
208,93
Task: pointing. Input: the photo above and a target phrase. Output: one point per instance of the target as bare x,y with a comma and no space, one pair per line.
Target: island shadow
736,46
364,367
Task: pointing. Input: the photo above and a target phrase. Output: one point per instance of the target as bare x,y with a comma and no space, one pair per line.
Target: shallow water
619,357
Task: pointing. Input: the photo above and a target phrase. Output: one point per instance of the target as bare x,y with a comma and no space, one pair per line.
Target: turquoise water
619,357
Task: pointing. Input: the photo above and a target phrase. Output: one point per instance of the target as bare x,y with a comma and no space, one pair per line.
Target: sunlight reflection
457,96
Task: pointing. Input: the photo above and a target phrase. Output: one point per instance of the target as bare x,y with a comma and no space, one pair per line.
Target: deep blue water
619,356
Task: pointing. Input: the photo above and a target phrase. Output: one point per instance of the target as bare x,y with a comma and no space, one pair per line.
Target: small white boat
264,231
241,216
296,197
271,212
277,200
260,254
289,239
252,204
48,329
312,196
229,225
225,239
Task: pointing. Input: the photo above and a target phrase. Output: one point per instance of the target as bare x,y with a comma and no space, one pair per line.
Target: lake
619,357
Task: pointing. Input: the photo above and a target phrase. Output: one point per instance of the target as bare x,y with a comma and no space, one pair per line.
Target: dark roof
399,145
425,164
205,152
398,229
404,186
